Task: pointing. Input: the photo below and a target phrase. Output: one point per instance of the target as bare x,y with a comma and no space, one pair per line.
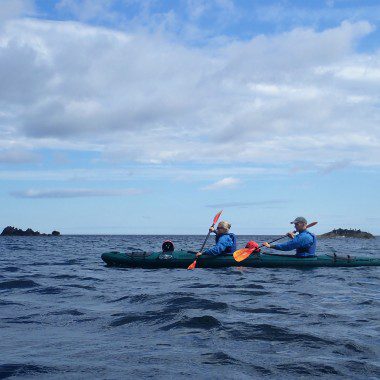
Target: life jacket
308,251
229,250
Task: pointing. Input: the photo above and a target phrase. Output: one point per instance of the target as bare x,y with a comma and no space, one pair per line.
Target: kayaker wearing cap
225,241
305,243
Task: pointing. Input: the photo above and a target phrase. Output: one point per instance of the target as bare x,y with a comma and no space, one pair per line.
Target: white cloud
74,193
19,156
10,9
225,183
85,10
274,203
144,97
334,166
140,172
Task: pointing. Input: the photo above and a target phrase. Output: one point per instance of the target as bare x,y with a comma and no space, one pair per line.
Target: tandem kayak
182,259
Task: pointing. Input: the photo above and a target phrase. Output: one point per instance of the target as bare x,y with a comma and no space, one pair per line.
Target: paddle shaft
194,263
262,245
204,243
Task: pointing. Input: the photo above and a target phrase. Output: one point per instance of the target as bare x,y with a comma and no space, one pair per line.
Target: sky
148,117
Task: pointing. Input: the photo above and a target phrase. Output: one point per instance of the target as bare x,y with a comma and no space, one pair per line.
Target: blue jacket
305,244
225,244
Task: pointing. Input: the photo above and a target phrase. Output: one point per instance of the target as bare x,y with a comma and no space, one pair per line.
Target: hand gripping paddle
194,263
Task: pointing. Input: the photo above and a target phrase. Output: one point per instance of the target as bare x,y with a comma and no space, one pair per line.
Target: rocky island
13,231
347,233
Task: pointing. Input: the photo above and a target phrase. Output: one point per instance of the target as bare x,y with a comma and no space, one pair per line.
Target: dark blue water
66,315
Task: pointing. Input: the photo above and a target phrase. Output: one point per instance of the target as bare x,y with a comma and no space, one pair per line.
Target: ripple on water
7,303
248,292
154,317
23,319
199,285
189,302
73,312
86,287
16,284
140,298
308,368
65,276
10,269
205,322
219,357
267,332
10,370
363,368
270,309
47,290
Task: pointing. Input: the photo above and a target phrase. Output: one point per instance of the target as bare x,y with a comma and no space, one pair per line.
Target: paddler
224,239
305,243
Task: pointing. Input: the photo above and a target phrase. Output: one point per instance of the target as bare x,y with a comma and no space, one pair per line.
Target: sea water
64,314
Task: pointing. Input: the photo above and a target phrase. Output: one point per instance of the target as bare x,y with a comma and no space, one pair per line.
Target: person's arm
287,246
218,248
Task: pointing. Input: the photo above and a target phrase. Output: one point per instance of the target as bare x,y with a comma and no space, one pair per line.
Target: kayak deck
182,259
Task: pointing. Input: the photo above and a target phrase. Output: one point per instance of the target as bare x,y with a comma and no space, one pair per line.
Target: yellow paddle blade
242,254
192,265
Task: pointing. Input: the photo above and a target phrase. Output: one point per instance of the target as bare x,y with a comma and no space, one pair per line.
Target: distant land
347,233
13,231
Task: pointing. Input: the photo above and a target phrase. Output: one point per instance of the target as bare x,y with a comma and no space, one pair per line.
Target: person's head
300,223
223,228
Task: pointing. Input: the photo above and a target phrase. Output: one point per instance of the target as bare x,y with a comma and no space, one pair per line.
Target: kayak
182,259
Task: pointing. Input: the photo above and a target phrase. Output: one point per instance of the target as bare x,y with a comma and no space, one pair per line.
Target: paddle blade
192,265
217,216
311,224
242,254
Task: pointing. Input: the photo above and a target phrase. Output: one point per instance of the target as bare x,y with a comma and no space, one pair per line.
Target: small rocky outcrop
13,231
347,233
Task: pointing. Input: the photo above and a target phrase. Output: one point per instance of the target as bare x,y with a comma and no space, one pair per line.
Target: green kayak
182,259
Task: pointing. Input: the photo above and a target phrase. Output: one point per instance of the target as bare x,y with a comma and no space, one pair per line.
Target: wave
206,322
188,302
10,269
245,331
308,368
14,284
47,290
147,317
10,370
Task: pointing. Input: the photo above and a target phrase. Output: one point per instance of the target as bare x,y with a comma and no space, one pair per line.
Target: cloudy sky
129,116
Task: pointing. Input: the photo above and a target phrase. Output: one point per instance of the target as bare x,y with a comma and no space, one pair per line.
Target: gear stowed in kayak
182,259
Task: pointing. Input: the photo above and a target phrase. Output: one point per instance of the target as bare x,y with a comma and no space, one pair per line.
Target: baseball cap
299,219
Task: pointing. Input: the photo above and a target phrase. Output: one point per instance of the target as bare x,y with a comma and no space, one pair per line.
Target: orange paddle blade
192,265
242,254
217,217
311,224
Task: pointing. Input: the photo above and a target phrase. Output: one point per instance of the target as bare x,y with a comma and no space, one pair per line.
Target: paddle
216,217
242,254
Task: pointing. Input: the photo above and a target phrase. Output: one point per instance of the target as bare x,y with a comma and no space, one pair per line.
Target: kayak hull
182,259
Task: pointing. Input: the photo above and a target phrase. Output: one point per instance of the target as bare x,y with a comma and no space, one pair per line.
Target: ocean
65,315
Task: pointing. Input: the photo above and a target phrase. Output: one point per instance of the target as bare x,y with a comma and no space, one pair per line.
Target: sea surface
65,315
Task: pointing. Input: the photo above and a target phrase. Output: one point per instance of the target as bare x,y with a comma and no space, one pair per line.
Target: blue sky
129,117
